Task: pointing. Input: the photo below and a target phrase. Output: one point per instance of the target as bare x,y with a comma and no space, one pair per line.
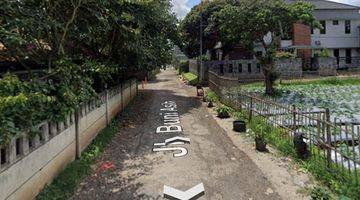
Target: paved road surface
139,173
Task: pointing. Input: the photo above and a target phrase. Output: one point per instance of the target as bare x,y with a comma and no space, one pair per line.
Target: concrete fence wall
251,71
194,66
327,66
29,163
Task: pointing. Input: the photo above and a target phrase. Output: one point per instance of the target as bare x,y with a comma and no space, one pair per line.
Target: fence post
328,136
251,106
77,132
122,96
106,105
294,117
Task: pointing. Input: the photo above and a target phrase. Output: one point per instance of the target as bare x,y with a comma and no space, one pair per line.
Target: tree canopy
85,44
242,22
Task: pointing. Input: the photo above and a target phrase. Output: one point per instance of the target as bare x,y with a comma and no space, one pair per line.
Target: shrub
320,193
212,96
224,111
324,53
184,67
191,78
284,55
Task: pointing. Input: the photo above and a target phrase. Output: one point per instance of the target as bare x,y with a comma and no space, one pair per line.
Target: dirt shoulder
289,181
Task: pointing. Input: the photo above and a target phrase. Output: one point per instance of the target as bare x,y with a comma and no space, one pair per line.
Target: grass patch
65,184
191,78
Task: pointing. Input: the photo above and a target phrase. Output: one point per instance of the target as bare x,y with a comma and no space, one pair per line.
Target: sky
182,7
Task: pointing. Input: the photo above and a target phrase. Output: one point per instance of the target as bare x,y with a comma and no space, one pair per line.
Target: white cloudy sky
182,7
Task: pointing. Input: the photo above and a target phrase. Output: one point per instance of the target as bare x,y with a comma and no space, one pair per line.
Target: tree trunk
269,85
269,82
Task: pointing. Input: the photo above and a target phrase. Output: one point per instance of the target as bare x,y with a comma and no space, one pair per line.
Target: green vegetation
212,96
323,53
336,81
336,178
337,94
284,54
153,73
244,23
191,78
81,46
65,184
224,111
183,67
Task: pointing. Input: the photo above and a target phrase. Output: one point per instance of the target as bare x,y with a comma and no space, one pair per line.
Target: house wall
24,175
335,37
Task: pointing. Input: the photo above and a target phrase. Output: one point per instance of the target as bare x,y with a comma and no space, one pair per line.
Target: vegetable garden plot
343,101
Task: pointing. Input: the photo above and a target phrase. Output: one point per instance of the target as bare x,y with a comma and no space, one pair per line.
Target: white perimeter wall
24,175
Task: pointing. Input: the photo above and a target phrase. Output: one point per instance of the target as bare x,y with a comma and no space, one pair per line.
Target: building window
347,26
240,68
259,53
312,31
249,67
258,68
323,24
336,22
230,68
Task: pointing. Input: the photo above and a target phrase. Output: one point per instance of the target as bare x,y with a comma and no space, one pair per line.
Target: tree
248,22
85,44
190,27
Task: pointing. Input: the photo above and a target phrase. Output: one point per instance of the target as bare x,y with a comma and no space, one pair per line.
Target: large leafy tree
129,33
245,23
190,26
85,44
248,23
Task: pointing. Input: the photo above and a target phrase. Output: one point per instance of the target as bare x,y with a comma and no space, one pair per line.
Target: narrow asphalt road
139,173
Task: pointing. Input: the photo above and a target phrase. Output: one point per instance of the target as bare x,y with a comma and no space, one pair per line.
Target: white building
341,33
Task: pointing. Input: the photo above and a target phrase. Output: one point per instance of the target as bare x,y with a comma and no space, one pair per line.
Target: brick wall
302,37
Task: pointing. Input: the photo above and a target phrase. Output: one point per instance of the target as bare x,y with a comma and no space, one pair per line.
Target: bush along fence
313,134
28,163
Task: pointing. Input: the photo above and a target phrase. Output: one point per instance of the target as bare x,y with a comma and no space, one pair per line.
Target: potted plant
239,125
260,137
223,112
210,104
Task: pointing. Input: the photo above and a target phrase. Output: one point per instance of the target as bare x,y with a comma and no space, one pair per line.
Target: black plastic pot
301,147
210,104
260,144
223,115
239,126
